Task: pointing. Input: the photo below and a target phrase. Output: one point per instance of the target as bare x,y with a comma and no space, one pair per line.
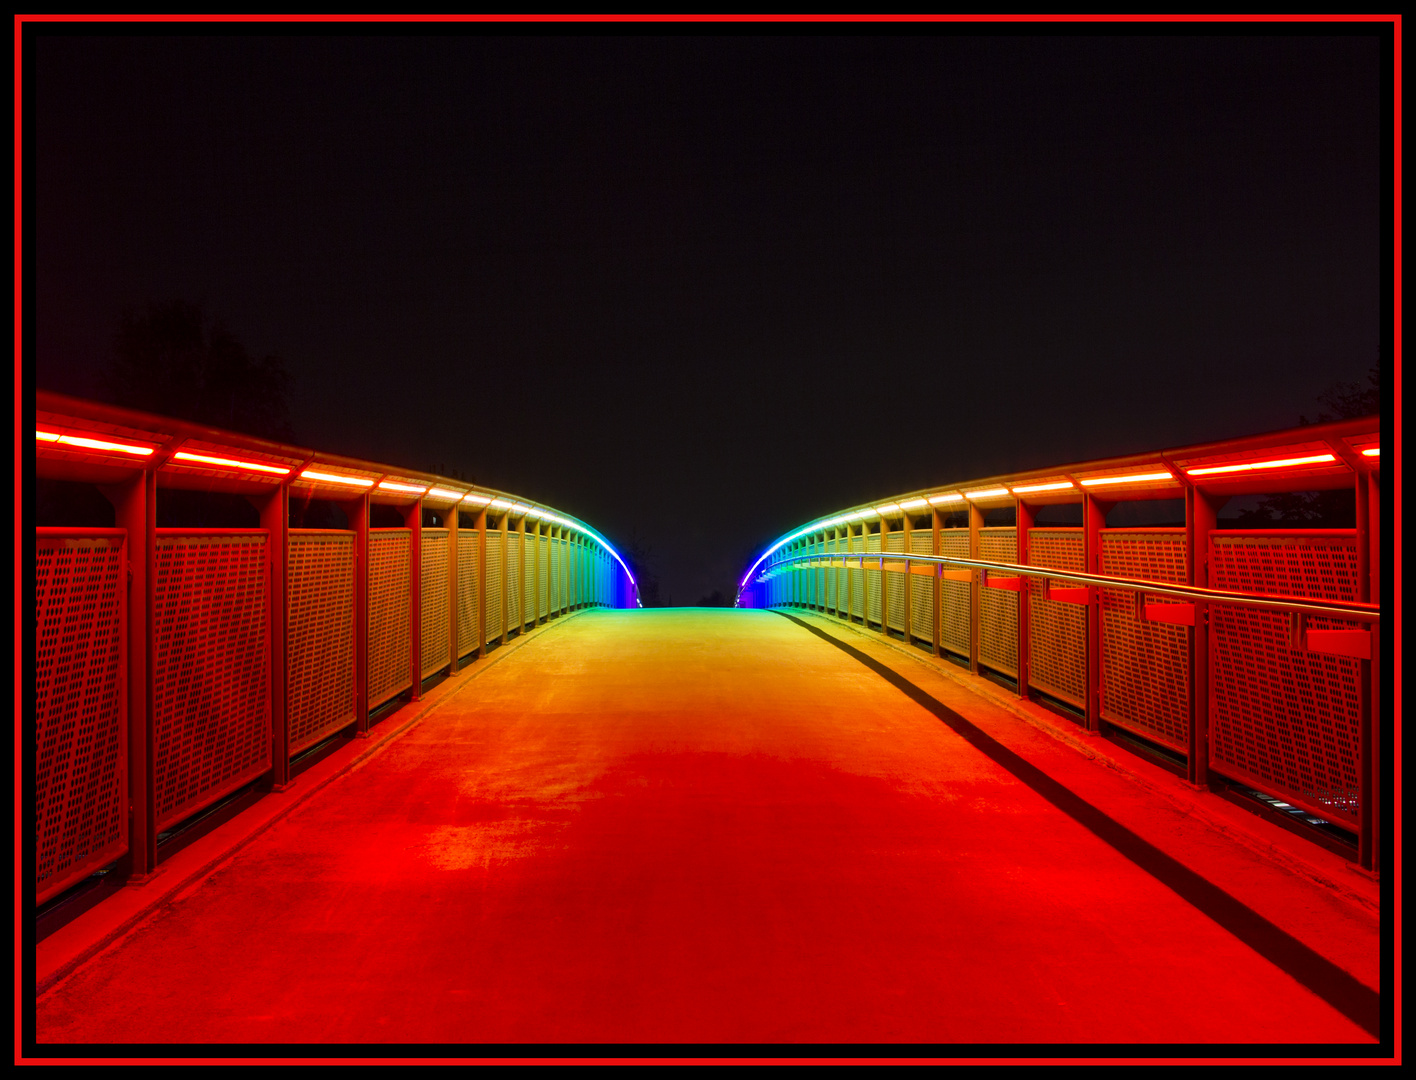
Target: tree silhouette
172,359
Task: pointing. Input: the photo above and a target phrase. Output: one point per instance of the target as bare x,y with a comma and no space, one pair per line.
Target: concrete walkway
710,826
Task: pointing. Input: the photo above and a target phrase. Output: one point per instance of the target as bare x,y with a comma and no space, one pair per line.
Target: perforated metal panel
998,608
433,639
210,668
319,634
493,619
957,596
1057,632
543,575
515,589
895,583
528,584
1281,720
390,629
81,705
832,578
1145,667
467,548
872,581
555,587
857,580
922,589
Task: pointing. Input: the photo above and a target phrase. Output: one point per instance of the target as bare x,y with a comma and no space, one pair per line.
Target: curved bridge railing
176,666
1250,654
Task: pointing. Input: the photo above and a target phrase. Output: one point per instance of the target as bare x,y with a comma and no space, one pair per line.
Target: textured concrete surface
714,826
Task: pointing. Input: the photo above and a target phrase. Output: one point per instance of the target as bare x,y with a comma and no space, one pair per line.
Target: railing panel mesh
210,668
81,706
998,608
467,548
1057,632
493,618
390,628
433,639
857,581
528,585
1145,667
922,589
872,581
956,596
1282,720
832,578
515,590
543,575
555,585
895,584
320,635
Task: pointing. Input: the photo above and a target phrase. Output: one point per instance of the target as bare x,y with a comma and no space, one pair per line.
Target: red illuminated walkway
719,826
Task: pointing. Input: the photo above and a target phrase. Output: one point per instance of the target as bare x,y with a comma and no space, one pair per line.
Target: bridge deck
719,826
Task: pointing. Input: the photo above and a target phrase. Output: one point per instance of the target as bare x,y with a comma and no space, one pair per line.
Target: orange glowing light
935,500
331,478
912,504
888,510
93,444
46,436
477,500
1250,465
391,486
443,493
991,493
230,463
1044,487
1133,479
1374,451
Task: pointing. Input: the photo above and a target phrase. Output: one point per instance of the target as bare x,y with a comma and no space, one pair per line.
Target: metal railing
175,667
1252,655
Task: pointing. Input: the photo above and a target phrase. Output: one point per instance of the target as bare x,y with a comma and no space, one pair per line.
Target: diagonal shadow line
1345,993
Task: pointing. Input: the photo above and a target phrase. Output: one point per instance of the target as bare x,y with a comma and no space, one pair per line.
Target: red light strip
391,486
1136,479
1374,451
1250,465
330,478
1044,487
92,444
230,463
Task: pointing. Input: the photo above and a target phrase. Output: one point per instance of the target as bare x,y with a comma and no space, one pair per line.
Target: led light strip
935,500
991,493
1134,479
913,504
92,444
1250,465
331,478
475,499
230,463
1044,487
443,493
1374,451
389,485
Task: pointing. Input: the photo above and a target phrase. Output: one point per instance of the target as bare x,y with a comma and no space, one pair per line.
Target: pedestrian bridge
843,813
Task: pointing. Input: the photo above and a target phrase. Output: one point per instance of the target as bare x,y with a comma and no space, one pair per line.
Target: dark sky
698,290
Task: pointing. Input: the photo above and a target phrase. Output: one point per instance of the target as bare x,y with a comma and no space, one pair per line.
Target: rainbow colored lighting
1134,478
93,444
1251,465
331,478
230,463
1043,487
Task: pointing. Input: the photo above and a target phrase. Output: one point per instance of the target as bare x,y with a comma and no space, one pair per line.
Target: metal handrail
1352,610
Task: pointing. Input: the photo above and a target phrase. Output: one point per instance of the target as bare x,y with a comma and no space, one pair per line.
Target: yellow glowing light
991,493
500,504
93,444
389,485
935,500
230,463
888,510
477,500
912,504
1247,466
331,478
1043,487
443,493
1135,478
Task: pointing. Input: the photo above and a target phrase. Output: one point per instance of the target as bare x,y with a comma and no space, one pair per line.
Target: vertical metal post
1201,515
1093,521
275,520
135,509
1023,518
356,511
975,587
909,580
482,582
936,524
452,520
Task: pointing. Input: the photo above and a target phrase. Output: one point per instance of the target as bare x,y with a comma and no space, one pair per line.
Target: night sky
699,289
